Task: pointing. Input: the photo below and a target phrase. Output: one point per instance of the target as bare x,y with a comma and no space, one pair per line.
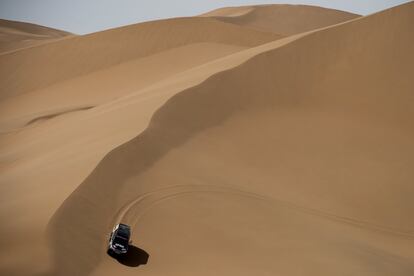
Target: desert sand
238,142
281,19
16,35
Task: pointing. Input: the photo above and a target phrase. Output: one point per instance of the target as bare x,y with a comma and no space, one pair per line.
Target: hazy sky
86,16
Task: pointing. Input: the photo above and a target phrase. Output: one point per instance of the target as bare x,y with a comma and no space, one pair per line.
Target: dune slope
16,35
295,162
58,61
107,84
281,19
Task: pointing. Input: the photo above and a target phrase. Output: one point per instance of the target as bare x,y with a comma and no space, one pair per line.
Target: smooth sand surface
227,154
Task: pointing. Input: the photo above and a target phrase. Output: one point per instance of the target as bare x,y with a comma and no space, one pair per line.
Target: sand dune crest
282,19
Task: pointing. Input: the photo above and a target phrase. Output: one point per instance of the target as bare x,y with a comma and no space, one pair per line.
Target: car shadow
133,258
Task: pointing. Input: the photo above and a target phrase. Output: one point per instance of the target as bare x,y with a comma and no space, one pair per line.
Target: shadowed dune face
17,35
282,19
297,161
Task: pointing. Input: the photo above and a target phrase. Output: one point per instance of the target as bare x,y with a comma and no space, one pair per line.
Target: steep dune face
17,35
295,162
282,19
38,67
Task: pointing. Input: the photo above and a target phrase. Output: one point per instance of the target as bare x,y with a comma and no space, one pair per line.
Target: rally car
119,239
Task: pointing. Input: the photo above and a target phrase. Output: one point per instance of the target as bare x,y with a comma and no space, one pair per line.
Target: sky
87,16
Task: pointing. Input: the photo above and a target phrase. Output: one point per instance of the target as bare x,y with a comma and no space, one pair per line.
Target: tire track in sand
134,210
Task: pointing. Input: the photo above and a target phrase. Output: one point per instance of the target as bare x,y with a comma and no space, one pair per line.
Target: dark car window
121,240
123,233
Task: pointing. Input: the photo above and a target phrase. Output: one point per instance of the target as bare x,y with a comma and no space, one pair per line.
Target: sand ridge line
226,64
281,19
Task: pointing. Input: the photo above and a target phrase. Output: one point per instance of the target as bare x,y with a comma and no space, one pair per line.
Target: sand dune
281,19
112,83
17,35
289,157
53,62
